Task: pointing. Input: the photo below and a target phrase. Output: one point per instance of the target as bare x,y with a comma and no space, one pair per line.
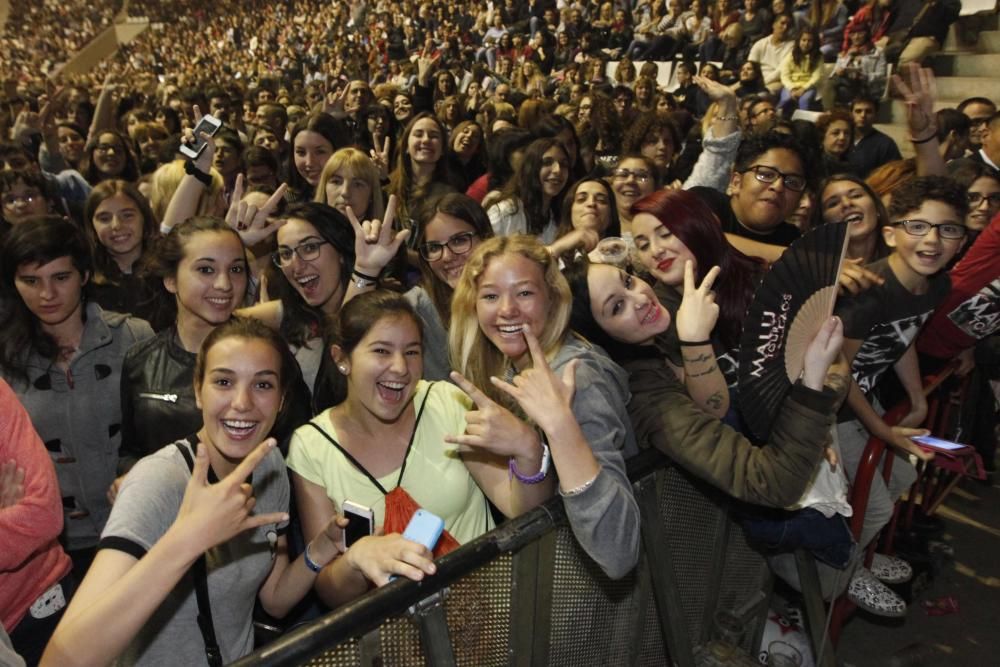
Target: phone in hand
209,125
930,442
360,522
424,528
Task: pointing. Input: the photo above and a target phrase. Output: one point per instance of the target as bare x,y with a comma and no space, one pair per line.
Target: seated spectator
860,69
769,52
801,73
870,148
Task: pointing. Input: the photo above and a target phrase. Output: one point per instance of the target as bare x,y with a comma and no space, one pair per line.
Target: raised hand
493,428
381,158
698,312
252,223
335,99
544,396
11,484
215,513
918,89
204,160
822,351
375,243
380,557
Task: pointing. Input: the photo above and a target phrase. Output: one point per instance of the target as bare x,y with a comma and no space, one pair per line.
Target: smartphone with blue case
424,528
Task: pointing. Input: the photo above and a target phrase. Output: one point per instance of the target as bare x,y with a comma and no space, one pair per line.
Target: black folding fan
794,300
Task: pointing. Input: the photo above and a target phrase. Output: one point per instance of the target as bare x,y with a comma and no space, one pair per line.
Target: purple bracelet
537,477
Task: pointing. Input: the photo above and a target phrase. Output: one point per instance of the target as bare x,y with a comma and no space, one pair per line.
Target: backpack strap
199,571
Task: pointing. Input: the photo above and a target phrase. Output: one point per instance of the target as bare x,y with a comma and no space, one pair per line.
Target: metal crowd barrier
526,594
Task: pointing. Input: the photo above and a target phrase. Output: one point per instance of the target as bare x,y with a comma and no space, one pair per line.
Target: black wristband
695,343
374,279
191,169
924,141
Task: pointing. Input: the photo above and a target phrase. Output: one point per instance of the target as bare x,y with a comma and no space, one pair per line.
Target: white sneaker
891,570
873,596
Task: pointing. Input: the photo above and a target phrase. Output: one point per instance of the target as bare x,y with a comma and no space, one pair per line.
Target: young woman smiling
121,228
63,357
215,503
386,447
509,323
672,228
621,313
448,230
530,201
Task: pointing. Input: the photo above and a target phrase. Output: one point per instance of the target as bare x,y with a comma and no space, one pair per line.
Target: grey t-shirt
146,506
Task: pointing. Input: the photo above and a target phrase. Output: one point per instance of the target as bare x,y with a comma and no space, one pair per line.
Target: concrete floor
970,637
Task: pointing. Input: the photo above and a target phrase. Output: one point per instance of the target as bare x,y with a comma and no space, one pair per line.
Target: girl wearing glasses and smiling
448,229
307,281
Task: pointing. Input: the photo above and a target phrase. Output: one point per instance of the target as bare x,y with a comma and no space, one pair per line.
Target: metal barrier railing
526,594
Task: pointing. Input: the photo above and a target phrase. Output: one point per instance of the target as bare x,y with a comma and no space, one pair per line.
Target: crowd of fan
485,161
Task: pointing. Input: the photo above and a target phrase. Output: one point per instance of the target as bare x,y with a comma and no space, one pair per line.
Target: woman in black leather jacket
203,264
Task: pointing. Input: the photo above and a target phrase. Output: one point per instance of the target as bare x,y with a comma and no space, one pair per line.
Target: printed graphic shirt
887,318
971,310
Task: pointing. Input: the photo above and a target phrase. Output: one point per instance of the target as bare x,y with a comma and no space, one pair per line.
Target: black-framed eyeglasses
308,251
976,198
946,230
769,175
640,175
459,244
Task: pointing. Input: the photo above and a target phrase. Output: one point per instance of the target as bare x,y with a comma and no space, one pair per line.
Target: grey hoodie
604,517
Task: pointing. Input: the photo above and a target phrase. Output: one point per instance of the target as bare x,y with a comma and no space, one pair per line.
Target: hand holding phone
930,442
361,522
209,125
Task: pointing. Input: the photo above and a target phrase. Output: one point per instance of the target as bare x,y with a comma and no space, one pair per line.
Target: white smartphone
937,443
208,124
361,522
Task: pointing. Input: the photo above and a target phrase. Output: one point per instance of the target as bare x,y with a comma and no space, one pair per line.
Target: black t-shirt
887,318
782,235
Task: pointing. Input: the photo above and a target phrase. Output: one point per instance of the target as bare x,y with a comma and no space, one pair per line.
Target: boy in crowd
927,229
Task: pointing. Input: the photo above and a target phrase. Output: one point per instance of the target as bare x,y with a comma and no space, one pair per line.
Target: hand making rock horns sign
375,243
215,513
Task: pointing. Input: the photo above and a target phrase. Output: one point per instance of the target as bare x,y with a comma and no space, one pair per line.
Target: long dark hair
131,169
526,186
467,210
161,261
811,59
37,241
693,222
401,182
331,129
105,268
300,321
566,223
